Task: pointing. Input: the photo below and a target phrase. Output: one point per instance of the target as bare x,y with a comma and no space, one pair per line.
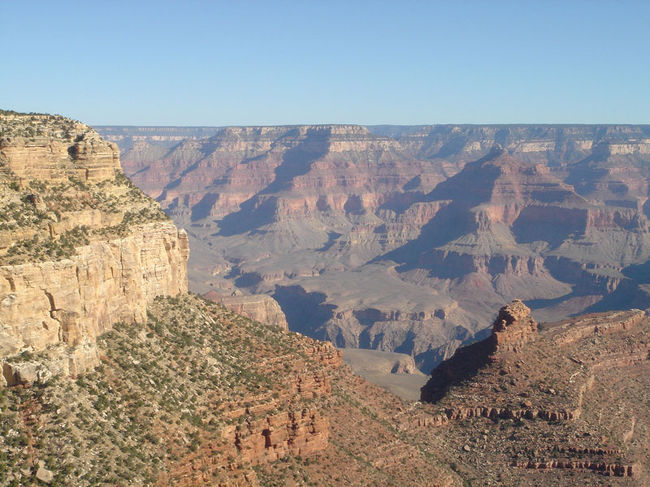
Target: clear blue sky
370,62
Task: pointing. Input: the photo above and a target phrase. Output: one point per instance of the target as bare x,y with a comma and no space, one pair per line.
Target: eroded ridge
559,398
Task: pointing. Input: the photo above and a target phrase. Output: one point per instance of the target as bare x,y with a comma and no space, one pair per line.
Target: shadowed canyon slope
407,239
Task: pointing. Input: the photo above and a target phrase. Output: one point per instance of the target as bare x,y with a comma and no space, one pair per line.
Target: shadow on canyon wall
306,312
260,208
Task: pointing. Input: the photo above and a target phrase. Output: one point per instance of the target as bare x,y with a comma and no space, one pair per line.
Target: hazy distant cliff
407,238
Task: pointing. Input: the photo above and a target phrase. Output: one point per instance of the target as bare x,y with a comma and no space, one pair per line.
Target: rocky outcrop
563,382
76,299
460,413
513,327
296,432
263,434
53,148
60,360
571,331
608,469
259,307
85,249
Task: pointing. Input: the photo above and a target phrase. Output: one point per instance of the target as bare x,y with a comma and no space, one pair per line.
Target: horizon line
341,124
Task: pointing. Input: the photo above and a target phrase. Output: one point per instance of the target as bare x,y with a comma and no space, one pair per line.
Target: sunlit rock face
80,247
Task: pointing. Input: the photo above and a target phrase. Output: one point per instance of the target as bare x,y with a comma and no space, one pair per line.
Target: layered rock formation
512,328
78,298
52,148
180,390
80,247
259,307
579,384
199,395
407,238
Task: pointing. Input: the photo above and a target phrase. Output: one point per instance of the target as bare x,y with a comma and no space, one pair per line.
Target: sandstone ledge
74,300
258,307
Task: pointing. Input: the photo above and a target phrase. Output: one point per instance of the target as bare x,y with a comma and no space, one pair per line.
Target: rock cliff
80,247
512,328
110,381
408,238
52,148
259,307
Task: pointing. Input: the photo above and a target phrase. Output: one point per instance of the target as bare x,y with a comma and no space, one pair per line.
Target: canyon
113,373
406,239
